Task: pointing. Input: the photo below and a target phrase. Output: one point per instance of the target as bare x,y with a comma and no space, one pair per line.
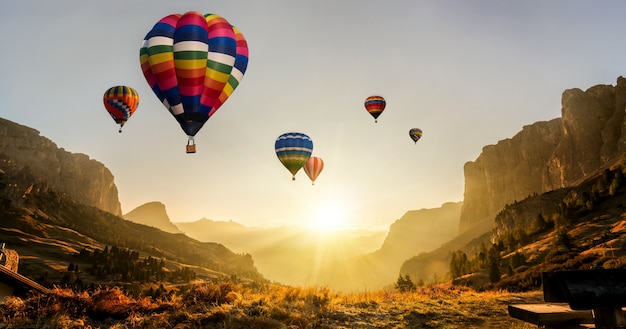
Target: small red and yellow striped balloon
375,105
121,102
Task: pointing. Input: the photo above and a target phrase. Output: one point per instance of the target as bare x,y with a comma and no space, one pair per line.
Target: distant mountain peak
152,214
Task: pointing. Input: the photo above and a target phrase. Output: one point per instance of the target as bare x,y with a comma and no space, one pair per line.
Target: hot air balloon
313,167
375,105
293,150
121,102
415,134
193,63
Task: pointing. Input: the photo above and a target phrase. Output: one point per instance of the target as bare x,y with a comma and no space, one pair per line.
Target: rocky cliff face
38,164
548,155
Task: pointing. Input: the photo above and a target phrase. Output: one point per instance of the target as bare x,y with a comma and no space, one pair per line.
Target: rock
38,164
548,155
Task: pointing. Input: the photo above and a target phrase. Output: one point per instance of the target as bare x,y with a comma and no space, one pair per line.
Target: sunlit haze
328,217
468,73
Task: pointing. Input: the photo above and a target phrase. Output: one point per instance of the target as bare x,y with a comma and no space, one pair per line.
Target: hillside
582,226
48,230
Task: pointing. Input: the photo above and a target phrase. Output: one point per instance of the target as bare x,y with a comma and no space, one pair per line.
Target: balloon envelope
293,150
193,63
375,105
313,167
415,134
121,102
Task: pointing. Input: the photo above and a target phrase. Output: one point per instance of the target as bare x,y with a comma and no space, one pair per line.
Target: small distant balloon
121,102
375,105
415,134
313,167
293,149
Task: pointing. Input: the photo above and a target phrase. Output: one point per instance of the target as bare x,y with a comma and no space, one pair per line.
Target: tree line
577,202
125,265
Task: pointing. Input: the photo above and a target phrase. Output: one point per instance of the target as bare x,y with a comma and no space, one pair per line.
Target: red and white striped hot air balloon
313,167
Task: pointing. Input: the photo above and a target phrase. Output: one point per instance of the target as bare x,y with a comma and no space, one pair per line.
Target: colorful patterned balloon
193,63
375,105
415,134
313,167
121,102
293,150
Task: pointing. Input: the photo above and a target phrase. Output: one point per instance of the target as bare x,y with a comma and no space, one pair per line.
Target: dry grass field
229,305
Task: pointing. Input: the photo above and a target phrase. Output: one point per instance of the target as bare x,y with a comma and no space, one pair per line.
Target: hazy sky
468,73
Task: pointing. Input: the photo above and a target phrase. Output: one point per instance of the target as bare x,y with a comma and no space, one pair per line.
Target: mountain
36,164
50,230
421,230
236,236
548,155
416,232
290,255
152,214
531,178
345,260
54,205
581,226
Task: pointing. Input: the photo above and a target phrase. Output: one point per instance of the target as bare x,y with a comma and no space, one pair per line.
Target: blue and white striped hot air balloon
293,150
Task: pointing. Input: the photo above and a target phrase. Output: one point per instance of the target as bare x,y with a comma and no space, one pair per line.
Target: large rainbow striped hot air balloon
375,105
121,102
293,150
193,63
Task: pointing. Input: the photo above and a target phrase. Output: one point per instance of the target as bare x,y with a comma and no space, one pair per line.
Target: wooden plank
16,279
550,315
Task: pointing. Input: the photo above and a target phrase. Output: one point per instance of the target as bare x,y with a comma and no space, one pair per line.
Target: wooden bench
578,299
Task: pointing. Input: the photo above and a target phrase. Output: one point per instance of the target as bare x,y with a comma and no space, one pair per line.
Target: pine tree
494,272
563,239
517,260
409,285
405,284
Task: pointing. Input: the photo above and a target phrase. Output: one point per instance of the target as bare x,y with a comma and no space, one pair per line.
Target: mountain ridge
548,155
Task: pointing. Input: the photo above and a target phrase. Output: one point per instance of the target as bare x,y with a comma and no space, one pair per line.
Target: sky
468,73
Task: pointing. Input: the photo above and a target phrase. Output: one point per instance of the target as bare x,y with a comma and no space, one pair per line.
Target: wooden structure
592,298
13,283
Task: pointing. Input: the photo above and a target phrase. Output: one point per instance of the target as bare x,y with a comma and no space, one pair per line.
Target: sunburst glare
330,217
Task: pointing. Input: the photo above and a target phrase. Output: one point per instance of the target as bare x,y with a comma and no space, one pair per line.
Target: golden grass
230,305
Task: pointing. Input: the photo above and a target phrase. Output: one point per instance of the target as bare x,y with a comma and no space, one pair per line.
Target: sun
329,217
